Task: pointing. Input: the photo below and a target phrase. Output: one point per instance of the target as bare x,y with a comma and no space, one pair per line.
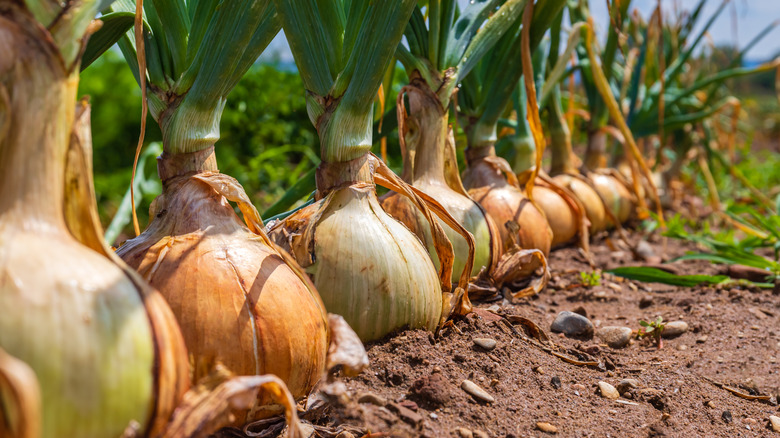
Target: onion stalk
240,301
368,267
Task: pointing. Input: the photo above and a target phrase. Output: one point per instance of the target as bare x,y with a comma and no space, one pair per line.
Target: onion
240,302
223,277
588,197
493,185
105,348
368,267
560,216
430,166
614,193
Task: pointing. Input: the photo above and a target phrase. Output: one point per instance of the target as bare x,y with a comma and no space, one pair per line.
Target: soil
413,384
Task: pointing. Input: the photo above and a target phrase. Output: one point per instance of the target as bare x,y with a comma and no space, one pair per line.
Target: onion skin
560,217
594,207
237,301
615,195
507,203
367,266
464,210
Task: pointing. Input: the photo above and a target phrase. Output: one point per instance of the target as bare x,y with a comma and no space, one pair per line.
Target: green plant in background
652,329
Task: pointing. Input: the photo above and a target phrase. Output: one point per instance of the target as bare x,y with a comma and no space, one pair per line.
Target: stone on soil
476,391
546,427
464,433
674,329
614,336
486,343
775,422
608,391
572,324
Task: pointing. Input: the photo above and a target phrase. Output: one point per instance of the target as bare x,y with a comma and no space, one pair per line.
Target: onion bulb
493,185
560,217
588,197
616,196
368,267
430,166
237,300
104,347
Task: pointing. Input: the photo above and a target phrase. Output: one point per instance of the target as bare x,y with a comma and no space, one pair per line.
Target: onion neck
560,138
425,135
596,154
345,133
190,131
37,110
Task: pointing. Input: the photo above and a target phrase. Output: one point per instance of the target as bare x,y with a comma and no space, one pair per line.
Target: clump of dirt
718,378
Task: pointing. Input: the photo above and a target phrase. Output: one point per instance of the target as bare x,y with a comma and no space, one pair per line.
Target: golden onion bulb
430,165
594,206
506,203
615,194
562,219
236,299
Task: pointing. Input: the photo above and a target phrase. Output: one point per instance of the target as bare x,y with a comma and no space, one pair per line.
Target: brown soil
412,387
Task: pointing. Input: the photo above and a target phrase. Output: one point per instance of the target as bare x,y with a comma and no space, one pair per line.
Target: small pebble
646,301
626,385
774,421
726,416
682,347
480,434
674,329
476,391
572,324
614,336
702,339
464,433
486,343
546,427
556,382
608,391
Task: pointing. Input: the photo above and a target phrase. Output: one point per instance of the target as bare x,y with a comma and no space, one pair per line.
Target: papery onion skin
560,217
594,207
463,209
616,196
368,267
237,301
507,203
